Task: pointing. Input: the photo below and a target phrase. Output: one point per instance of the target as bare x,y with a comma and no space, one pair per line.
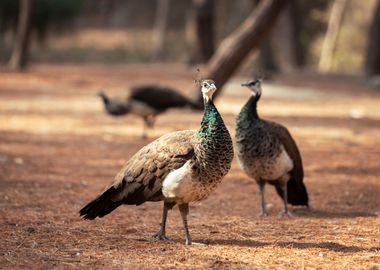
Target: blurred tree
200,31
267,59
43,15
250,35
160,27
331,37
372,62
287,36
20,49
283,51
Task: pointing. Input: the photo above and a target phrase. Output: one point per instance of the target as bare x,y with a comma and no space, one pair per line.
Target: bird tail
102,205
297,193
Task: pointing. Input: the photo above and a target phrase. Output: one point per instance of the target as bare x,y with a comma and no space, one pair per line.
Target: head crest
198,77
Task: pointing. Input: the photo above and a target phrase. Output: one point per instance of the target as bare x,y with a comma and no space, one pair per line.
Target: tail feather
297,193
101,205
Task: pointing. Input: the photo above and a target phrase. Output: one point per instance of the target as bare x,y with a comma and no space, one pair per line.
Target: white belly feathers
179,186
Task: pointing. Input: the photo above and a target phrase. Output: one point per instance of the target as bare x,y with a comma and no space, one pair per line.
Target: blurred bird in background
147,101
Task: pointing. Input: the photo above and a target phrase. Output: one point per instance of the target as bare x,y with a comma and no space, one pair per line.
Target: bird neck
211,118
214,144
105,99
249,111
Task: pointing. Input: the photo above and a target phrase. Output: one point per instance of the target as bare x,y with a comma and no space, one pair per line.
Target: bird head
100,94
208,88
103,96
255,86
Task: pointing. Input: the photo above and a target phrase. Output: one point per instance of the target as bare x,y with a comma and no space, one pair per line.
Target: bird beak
244,84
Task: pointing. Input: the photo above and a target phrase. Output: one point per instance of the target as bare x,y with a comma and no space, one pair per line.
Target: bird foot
284,214
263,214
161,236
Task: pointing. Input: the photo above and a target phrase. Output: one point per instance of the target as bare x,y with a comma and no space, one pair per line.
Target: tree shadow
315,213
332,246
236,242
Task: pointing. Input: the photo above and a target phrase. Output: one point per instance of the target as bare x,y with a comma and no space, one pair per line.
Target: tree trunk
160,28
267,58
331,37
287,32
372,63
200,31
243,40
19,57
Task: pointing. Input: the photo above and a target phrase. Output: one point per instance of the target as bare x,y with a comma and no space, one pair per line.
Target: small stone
18,160
356,113
34,244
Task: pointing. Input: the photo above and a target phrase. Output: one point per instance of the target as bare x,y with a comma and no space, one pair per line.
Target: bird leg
161,233
184,210
144,133
150,121
285,212
261,184
148,124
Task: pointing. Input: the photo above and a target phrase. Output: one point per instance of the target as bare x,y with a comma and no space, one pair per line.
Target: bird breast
260,153
182,187
266,167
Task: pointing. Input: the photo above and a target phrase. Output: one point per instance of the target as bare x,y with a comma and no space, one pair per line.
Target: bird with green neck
267,153
178,168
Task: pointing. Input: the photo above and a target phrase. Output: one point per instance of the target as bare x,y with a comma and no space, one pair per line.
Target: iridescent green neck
213,149
210,122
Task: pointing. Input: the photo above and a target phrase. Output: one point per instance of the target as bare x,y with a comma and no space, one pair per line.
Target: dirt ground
58,149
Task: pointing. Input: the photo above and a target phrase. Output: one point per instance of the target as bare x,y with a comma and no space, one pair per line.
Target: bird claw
161,236
284,214
263,214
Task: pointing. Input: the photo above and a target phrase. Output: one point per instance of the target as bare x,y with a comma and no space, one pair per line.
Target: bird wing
291,148
297,192
160,98
141,177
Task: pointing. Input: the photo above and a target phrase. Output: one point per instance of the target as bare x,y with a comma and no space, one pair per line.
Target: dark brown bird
267,153
147,101
178,168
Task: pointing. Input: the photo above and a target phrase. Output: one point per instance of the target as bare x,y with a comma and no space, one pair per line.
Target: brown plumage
268,153
147,101
178,168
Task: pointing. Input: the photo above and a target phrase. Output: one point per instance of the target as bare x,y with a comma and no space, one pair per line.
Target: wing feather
147,169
